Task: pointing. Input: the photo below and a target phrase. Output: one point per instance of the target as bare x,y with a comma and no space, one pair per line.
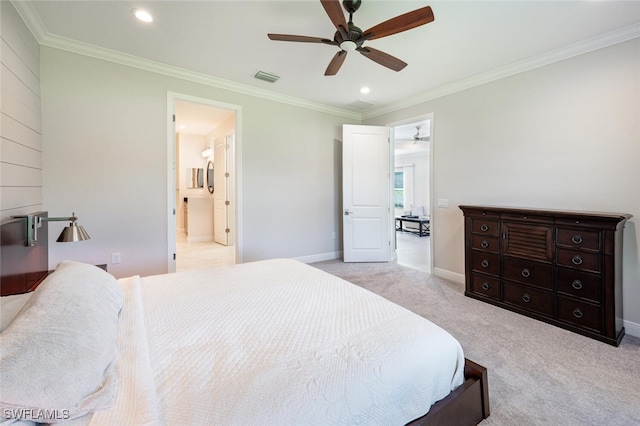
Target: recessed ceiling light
365,90
143,15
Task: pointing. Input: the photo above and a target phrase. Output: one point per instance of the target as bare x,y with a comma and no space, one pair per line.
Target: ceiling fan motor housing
351,5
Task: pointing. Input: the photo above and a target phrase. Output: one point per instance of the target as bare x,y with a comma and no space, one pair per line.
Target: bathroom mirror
195,178
210,176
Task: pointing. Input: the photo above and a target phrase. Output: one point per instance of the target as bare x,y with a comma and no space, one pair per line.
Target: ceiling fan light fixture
348,46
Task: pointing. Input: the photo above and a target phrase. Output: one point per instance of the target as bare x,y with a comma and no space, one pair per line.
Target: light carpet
538,374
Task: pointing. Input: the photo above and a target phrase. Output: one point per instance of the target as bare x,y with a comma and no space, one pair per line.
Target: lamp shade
73,233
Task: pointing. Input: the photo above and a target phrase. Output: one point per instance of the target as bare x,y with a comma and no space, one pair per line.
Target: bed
269,342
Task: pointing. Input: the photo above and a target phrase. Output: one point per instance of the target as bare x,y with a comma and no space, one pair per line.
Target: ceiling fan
416,138
348,37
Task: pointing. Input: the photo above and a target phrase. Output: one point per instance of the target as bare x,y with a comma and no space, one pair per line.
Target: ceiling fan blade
336,63
401,23
382,58
303,39
334,10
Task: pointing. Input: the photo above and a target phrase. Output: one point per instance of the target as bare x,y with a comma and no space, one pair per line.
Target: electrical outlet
116,258
443,203
333,235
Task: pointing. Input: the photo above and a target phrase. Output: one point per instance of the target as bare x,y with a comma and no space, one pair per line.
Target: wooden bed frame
23,267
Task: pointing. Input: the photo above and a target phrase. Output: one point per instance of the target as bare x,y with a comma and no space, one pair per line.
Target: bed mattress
273,342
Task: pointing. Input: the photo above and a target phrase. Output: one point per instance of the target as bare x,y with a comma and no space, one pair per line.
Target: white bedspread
274,342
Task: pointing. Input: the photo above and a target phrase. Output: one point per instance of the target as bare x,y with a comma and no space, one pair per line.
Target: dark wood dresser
561,267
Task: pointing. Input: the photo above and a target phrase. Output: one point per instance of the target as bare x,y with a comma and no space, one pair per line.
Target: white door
365,193
221,191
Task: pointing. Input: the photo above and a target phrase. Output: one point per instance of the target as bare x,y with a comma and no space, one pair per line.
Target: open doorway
203,186
412,185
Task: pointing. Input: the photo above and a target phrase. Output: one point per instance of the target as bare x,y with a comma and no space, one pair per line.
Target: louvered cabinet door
530,238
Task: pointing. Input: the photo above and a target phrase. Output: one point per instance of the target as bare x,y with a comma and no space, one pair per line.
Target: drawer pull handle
484,227
576,260
485,286
577,284
526,298
577,313
576,239
485,263
484,244
526,273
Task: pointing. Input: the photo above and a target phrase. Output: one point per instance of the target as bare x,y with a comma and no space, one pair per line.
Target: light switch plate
443,203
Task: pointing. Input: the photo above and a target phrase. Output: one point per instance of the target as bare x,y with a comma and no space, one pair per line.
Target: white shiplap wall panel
19,102
17,132
18,37
21,119
25,199
11,60
19,155
19,176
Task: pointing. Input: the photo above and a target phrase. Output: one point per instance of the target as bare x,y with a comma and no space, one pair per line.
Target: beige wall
105,145
565,136
20,126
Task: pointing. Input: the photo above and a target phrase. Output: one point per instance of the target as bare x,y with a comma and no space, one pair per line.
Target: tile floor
192,256
413,251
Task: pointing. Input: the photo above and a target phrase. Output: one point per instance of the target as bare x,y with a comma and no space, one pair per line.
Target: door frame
428,116
236,218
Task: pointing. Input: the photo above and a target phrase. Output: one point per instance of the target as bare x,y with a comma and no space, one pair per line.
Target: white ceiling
468,43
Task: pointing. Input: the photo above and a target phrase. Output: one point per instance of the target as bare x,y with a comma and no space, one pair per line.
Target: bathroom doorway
204,184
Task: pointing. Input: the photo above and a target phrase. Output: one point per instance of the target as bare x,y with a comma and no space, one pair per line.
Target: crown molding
28,14
31,18
85,49
35,25
585,46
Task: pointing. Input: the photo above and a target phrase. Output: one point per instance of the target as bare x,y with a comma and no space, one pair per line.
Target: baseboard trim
631,328
319,257
452,276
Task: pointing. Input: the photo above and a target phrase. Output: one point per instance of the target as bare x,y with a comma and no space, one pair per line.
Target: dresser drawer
578,238
485,286
486,243
487,263
579,313
526,217
485,227
578,259
528,272
530,298
579,284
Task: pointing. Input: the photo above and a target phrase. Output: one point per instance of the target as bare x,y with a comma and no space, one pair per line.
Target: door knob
347,212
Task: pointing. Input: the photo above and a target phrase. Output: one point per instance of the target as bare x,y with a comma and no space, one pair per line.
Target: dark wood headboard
22,267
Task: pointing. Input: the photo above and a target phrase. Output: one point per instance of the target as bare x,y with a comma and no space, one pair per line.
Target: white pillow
57,355
417,210
10,306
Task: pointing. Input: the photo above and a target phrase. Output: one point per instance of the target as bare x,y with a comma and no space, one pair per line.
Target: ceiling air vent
265,76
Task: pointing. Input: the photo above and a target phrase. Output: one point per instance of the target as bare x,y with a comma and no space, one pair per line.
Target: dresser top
606,216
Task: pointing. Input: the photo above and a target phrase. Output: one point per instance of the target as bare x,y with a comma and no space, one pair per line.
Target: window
398,189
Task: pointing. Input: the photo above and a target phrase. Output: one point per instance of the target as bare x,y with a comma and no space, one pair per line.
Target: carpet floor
538,374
